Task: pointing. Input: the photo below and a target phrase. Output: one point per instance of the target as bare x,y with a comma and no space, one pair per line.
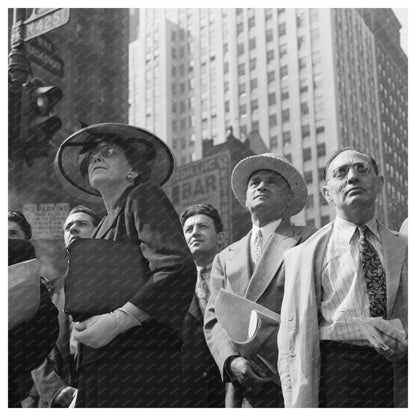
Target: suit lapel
238,265
195,310
394,251
280,241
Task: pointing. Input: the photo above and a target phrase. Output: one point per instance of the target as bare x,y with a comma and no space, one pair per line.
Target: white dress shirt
344,290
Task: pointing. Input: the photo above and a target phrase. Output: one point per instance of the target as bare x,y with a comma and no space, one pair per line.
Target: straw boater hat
269,161
70,160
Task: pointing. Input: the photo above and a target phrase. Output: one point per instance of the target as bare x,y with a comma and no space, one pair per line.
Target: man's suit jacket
231,270
202,384
56,372
298,337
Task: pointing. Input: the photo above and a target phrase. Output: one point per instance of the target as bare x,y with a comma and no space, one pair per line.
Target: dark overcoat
141,367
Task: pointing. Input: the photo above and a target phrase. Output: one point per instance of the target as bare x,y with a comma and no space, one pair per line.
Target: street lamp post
19,70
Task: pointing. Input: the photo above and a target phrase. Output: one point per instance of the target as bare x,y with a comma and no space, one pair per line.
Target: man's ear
326,194
380,183
133,174
220,238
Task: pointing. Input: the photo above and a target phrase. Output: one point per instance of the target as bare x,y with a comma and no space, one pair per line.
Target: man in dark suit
273,191
55,379
202,384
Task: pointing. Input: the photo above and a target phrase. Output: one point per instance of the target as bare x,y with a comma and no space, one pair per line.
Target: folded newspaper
251,328
24,291
372,327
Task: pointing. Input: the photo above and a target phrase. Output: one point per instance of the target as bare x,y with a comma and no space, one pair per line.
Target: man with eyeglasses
353,270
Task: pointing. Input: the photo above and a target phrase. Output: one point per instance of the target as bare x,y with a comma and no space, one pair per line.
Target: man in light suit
352,268
272,190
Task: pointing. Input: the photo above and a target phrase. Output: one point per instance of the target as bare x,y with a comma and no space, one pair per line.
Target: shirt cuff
135,313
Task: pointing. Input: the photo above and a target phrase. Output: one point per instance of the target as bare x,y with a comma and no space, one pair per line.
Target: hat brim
246,167
68,158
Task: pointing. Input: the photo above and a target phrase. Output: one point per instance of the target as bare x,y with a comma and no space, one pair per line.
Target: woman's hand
99,330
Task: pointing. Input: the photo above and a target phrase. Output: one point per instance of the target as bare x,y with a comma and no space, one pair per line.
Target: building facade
309,81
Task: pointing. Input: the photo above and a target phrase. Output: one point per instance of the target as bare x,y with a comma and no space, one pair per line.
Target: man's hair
344,149
21,221
203,209
81,208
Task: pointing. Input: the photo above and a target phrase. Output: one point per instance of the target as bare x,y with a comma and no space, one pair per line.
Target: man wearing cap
272,190
352,271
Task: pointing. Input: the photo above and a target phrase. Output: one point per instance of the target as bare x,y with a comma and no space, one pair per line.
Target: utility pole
19,70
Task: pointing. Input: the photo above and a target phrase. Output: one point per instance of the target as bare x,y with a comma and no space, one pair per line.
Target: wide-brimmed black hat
71,156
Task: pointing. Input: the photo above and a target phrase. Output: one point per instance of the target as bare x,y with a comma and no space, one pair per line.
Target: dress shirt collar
203,268
267,230
347,229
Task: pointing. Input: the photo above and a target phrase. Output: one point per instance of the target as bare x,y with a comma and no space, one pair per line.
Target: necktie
202,289
374,274
257,247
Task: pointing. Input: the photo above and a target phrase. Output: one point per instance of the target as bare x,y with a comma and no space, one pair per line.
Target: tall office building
309,81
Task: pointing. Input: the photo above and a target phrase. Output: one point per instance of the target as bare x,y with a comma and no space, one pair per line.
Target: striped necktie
374,274
202,288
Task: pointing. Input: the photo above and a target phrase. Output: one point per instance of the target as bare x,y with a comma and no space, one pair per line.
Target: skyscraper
308,81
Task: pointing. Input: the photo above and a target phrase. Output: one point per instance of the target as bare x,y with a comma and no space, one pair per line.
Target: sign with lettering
47,220
204,182
44,20
40,51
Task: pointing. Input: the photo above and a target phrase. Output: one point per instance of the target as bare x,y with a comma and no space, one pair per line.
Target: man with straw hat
273,191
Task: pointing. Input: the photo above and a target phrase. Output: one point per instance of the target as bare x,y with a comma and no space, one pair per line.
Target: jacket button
290,317
204,374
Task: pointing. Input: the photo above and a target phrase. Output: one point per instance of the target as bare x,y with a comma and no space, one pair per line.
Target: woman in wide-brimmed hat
130,357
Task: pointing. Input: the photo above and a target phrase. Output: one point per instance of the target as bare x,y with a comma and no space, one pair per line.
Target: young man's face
15,232
78,225
201,236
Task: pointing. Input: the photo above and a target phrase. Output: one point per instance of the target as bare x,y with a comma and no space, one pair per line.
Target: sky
402,16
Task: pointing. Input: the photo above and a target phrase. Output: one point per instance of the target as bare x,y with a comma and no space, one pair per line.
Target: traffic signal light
42,122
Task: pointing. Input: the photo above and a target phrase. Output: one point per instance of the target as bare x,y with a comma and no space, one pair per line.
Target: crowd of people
340,292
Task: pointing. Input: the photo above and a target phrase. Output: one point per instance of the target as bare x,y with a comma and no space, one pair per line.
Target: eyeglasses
106,150
360,168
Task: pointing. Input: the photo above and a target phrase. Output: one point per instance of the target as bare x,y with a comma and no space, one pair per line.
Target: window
283,50
301,41
227,106
308,176
284,95
253,84
288,157
270,56
240,28
243,109
286,138
307,154
285,115
251,22
320,149
321,175
241,69
242,89
270,76
322,200
310,222
269,35
304,109
252,43
282,29
272,120
309,201
324,220
302,63
254,105
252,64
284,72
320,129
306,131
225,67
272,98
240,49
255,126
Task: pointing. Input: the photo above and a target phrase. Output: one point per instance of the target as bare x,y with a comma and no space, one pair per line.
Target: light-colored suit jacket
298,337
231,270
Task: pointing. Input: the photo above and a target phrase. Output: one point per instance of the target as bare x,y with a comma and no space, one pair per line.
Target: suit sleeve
216,337
168,291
